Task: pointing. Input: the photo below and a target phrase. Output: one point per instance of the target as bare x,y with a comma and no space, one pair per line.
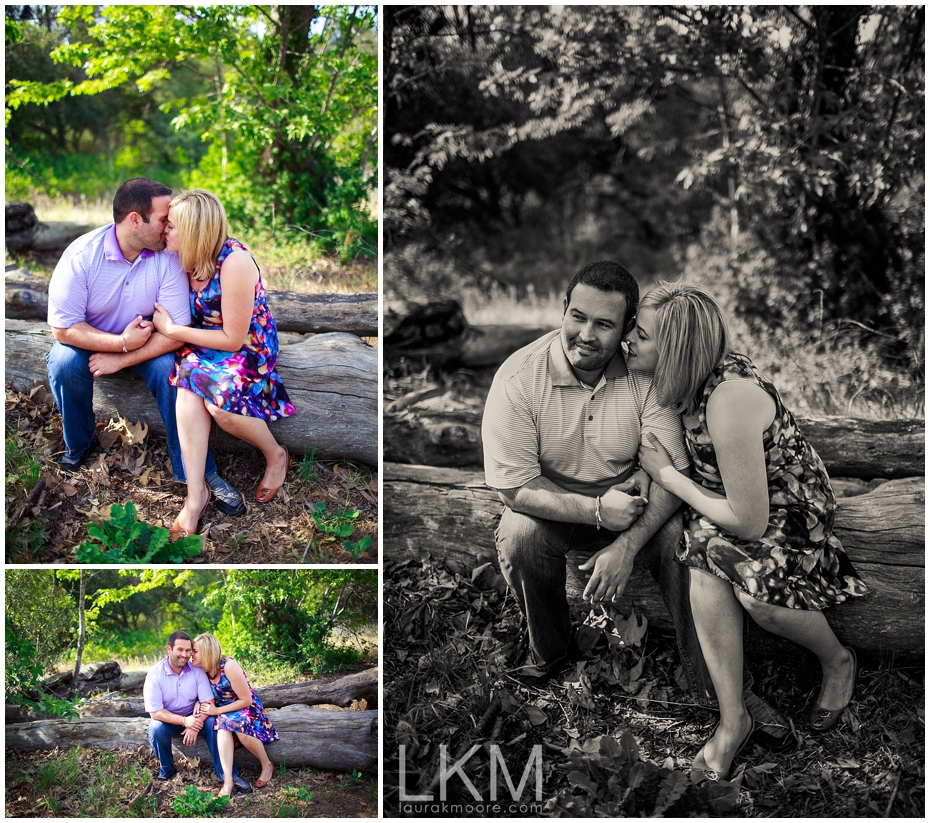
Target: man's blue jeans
161,734
532,557
73,388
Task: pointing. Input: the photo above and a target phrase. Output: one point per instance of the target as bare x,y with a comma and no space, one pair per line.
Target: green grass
23,466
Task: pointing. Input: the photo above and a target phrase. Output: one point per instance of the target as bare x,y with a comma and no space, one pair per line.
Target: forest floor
617,733
47,517
83,782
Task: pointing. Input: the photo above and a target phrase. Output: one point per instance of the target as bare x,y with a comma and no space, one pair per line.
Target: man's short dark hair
608,276
175,636
136,196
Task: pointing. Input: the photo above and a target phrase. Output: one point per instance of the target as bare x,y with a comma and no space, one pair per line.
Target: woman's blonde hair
210,653
691,339
202,227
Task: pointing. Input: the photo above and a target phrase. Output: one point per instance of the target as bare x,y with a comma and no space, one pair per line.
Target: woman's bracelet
597,513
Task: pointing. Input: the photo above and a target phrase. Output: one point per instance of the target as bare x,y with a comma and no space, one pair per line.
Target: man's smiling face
592,329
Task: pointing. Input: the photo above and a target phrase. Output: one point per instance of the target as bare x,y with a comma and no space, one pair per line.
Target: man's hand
137,333
193,722
619,510
189,738
104,362
639,480
612,567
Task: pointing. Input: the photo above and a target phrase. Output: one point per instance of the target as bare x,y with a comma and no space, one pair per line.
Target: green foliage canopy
284,98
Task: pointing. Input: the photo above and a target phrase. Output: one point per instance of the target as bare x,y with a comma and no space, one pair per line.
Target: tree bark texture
332,380
318,738
449,515
849,447
27,299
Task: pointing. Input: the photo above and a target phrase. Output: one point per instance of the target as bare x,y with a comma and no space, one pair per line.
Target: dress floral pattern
243,382
250,720
798,563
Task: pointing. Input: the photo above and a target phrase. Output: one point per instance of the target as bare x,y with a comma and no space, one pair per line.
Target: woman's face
642,353
172,240
195,652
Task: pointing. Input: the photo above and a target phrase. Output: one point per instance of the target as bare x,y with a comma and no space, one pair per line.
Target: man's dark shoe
241,785
164,778
773,731
531,674
69,464
225,497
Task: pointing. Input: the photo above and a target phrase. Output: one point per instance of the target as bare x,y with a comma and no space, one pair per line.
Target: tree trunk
449,515
27,299
332,380
315,738
82,627
849,447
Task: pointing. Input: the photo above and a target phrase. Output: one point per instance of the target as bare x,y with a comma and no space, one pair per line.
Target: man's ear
564,305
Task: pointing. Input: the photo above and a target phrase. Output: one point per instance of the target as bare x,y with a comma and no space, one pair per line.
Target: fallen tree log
849,447
332,380
342,691
27,299
449,515
25,232
318,738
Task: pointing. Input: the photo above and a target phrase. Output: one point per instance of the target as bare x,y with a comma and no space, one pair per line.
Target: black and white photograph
653,411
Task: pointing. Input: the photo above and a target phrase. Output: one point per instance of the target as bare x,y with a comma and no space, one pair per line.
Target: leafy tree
285,100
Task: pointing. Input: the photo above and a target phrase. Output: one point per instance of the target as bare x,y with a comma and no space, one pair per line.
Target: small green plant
306,468
338,524
23,466
124,539
358,547
352,779
288,810
303,793
195,803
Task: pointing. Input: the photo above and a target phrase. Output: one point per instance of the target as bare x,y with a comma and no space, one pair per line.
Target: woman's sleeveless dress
798,563
243,382
251,720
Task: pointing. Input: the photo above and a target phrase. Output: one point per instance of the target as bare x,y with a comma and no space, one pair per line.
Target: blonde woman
226,370
238,711
759,517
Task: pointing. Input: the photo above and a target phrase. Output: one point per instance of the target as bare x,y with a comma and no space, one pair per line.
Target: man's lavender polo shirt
166,689
93,283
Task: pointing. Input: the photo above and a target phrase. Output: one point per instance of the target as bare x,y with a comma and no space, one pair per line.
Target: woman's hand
654,458
209,709
163,321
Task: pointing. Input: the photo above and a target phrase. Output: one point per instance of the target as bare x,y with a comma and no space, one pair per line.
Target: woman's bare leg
257,748
225,746
718,620
194,436
255,432
809,628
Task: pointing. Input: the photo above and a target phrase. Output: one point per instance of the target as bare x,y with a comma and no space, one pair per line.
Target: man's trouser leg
209,737
155,373
72,387
160,736
532,559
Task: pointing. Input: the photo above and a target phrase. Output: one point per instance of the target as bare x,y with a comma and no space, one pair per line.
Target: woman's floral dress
250,720
798,563
243,382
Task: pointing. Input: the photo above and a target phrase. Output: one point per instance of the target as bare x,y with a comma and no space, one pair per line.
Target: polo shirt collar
112,251
560,370
171,672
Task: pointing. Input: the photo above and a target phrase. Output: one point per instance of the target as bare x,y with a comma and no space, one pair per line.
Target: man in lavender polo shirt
173,687
101,299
